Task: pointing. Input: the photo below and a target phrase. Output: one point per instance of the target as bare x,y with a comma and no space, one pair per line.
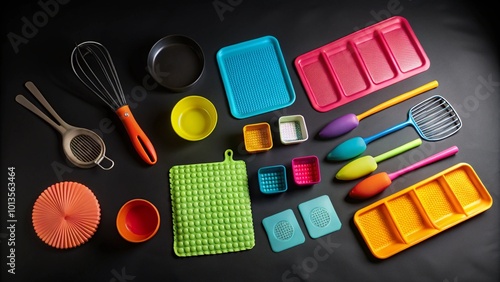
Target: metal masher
83,147
93,65
434,119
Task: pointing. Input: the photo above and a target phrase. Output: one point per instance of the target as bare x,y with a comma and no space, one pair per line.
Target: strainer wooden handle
38,95
28,105
83,147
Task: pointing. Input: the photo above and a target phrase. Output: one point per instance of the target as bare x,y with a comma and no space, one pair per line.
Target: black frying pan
176,62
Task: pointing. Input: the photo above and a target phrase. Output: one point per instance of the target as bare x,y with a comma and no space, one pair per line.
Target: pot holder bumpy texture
211,208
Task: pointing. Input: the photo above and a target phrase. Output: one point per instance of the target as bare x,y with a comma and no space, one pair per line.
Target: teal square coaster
283,230
319,216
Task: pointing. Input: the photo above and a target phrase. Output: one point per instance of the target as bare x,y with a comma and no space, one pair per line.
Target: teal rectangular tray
255,77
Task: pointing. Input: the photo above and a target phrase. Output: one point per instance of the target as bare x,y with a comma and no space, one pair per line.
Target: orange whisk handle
140,141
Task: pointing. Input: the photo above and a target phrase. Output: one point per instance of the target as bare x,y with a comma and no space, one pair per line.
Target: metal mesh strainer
320,217
283,230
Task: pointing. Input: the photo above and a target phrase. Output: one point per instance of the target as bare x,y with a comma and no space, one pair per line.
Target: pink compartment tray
361,63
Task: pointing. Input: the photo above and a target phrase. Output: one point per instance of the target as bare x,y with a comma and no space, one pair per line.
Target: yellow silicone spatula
367,164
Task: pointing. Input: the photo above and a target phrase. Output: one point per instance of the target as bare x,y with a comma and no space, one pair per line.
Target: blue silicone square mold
319,216
283,231
272,179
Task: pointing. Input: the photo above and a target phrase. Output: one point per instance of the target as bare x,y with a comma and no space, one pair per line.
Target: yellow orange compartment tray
422,210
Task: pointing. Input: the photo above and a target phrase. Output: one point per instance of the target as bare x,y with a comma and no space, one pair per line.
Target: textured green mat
211,208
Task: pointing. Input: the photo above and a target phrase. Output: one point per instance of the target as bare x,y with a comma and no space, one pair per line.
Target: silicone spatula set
434,119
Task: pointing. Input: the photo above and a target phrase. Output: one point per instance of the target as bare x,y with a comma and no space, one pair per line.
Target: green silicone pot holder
283,231
319,216
211,208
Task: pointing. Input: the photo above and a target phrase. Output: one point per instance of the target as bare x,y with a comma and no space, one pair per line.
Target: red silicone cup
138,220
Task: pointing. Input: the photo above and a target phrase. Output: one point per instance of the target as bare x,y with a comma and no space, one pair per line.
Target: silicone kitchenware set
211,205
434,119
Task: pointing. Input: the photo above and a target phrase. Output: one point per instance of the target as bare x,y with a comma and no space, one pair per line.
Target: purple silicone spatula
346,123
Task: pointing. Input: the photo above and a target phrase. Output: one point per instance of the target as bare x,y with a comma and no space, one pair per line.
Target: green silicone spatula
367,164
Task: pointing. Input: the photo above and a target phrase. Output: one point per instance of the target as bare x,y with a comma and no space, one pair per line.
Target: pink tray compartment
361,63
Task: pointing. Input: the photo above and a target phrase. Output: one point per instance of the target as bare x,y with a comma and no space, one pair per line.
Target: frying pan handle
140,141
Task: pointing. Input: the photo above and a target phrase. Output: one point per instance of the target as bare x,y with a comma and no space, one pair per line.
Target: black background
459,37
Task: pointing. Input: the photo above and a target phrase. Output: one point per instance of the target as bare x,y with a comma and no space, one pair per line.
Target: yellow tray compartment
422,210
410,217
382,235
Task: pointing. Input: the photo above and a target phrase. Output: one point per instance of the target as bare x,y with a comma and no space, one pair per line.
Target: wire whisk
92,64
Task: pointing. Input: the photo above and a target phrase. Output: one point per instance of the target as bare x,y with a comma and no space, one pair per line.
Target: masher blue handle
388,131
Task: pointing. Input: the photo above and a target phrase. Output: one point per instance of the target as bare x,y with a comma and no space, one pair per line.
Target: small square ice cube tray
257,137
272,179
292,129
306,170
